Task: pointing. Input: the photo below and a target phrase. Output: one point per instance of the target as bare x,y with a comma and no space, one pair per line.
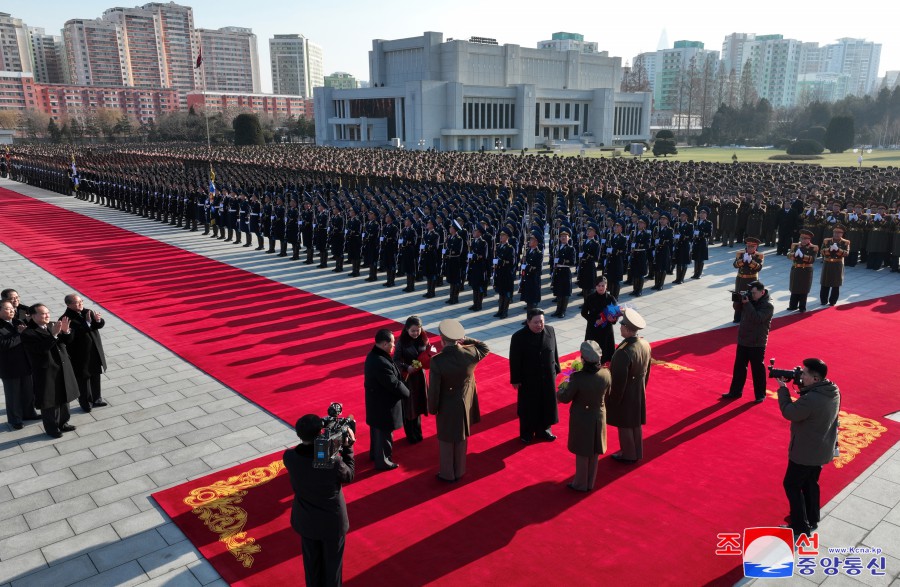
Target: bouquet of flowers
573,367
417,364
609,315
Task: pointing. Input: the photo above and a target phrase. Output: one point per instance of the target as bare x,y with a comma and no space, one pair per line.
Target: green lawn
714,154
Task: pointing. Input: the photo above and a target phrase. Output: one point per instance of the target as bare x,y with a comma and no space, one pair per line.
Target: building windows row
489,115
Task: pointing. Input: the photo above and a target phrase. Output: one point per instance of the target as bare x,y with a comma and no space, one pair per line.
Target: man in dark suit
15,369
533,366
319,511
452,395
21,310
86,351
384,391
54,381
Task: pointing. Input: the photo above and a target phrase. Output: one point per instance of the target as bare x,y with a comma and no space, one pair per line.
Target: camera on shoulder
335,432
788,374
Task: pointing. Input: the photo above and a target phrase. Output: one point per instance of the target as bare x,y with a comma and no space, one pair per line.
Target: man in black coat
384,391
21,310
86,351
319,511
533,366
54,381
15,369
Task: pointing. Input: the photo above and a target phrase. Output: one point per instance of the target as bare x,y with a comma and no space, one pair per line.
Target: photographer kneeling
814,430
319,512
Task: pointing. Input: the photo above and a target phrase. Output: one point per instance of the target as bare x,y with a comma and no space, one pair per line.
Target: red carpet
710,467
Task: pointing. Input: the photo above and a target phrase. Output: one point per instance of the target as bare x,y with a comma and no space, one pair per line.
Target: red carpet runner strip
710,467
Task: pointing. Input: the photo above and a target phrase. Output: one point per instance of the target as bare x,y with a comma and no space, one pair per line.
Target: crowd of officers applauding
483,219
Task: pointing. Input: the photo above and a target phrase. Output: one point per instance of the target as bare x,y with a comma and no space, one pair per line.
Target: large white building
856,58
297,65
465,96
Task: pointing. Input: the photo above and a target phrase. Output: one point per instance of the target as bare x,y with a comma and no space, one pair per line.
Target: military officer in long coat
626,407
531,273
561,281
803,257
452,395
504,272
533,367
586,391
587,264
834,249
700,245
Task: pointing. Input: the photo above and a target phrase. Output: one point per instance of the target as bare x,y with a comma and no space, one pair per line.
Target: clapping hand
799,254
834,247
61,326
20,328
747,258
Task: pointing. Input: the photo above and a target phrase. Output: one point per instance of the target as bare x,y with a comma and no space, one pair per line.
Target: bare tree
747,89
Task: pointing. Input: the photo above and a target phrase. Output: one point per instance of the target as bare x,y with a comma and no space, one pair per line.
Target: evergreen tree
840,134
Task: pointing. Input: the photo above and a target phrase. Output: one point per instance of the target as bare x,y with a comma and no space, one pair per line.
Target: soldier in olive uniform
803,256
748,263
878,242
728,213
833,252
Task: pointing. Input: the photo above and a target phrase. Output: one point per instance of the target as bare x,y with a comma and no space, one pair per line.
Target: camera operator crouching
814,431
319,512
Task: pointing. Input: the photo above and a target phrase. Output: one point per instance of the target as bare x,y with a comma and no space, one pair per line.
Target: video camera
738,297
327,446
790,375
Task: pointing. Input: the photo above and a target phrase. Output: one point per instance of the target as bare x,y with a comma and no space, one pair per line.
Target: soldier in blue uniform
390,234
453,262
336,238
278,226
531,272
641,245
504,272
320,228
255,216
244,219
662,250
587,265
307,220
563,263
616,251
684,234
431,257
700,246
409,253
292,230
478,267
354,241
372,245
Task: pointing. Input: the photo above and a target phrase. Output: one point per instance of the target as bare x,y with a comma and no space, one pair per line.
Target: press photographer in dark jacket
814,430
319,511
753,334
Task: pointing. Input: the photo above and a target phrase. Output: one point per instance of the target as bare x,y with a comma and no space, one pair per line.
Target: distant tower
663,41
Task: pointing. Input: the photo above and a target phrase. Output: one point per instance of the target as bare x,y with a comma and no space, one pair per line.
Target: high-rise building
142,36
15,50
734,51
179,46
856,58
568,42
776,65
230,60
95,53
341,80
47,52
297,65
821,87
672,67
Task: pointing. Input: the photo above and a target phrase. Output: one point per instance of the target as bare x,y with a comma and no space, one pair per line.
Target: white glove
747,258
834,247
799,254
878,217
853,217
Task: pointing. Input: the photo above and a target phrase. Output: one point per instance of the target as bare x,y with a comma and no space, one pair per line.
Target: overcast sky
345,29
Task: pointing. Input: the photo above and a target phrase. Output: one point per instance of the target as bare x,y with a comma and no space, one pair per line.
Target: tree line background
110,125
717,107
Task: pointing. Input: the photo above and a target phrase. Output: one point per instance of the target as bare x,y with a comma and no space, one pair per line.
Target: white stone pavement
77,510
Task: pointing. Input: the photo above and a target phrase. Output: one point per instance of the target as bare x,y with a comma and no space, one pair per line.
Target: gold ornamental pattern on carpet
215,506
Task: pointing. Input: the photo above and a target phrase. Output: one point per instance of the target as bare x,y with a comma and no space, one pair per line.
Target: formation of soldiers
480,219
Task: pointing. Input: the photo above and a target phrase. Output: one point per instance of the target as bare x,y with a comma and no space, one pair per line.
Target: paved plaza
77,511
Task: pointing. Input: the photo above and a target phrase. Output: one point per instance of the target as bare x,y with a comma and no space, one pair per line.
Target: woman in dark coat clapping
412,343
